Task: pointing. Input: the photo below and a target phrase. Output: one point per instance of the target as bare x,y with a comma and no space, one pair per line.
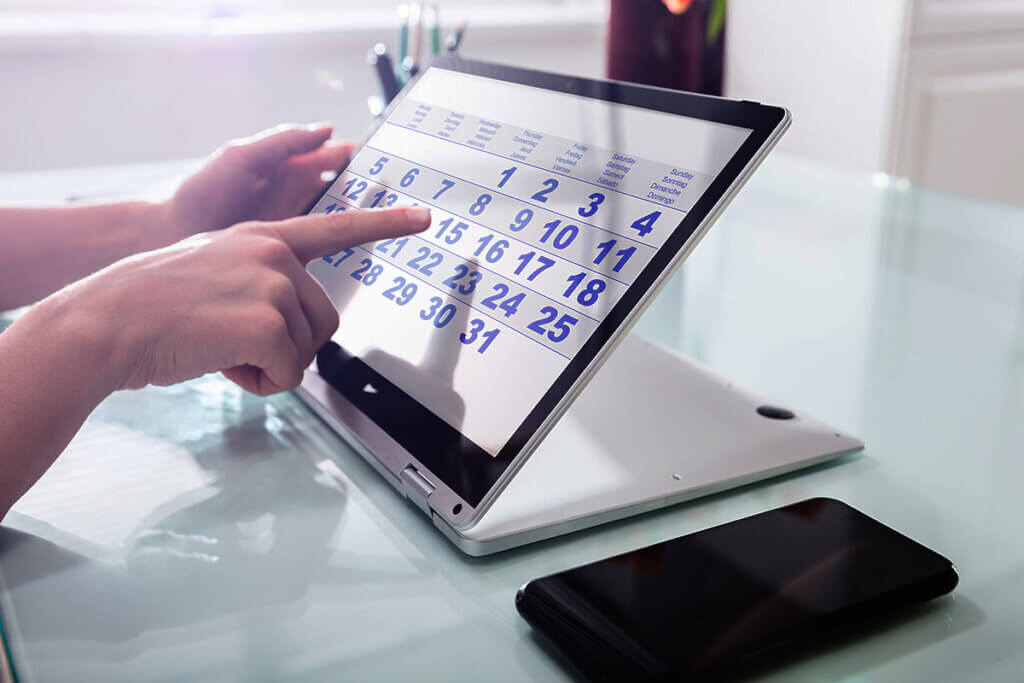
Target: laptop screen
550,209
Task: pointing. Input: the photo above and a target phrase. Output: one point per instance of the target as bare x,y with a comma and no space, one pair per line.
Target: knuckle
294,378
246,228
333,320
289,365
280,128
330,319
233,151
279,289
341,220
325,317
273,252
270,325
325,329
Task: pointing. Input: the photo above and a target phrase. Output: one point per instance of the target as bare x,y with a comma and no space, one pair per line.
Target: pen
435,30
403,33
410,68
378,58
416,26
454,39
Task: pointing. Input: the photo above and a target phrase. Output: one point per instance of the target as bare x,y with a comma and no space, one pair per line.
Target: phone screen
710,601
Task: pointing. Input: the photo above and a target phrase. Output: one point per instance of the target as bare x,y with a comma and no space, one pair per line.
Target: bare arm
270,176
238,300
57,367
46,249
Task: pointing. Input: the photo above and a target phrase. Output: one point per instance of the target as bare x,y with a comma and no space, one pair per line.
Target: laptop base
652,428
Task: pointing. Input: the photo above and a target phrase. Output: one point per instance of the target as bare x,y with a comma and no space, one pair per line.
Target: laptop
462,366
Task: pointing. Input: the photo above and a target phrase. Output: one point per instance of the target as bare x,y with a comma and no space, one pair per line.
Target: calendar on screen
545,209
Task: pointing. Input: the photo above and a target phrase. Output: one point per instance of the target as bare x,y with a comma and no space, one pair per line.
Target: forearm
57,365
48,248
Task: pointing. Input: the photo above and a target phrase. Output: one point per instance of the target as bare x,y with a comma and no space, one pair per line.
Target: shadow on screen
416,403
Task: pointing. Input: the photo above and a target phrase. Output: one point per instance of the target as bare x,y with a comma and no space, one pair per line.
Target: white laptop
560,206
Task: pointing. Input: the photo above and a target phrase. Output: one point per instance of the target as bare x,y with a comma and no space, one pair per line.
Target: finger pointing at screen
238,300
263,316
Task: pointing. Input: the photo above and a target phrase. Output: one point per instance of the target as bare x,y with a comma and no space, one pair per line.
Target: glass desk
199,533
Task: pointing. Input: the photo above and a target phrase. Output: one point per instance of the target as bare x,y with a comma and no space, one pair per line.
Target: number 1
505,175
605,247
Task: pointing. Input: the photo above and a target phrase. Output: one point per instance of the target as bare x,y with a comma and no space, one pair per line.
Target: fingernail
319,125
417,217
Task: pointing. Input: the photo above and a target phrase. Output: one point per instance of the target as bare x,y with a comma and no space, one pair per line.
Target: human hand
237,300
270,176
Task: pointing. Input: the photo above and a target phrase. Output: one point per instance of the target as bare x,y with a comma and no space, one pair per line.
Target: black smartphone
720,601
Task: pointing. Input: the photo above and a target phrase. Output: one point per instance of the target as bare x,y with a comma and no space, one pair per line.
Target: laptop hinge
417,488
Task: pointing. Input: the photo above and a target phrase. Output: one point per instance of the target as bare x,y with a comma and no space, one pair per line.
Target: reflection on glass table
196,532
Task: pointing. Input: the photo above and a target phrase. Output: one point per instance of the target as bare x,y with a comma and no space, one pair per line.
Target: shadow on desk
259,536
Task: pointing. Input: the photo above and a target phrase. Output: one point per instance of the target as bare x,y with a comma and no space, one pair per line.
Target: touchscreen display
546,207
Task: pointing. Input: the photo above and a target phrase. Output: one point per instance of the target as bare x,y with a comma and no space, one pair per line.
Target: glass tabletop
196,532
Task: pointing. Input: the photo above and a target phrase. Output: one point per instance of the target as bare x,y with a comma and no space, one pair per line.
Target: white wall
148,92
833,64
83,100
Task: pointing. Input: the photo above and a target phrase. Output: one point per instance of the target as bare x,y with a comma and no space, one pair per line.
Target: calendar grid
542,224
468,305
478,266
542,207
540,168
476,222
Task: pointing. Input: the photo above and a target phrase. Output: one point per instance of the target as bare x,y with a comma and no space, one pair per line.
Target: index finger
316,235
277,144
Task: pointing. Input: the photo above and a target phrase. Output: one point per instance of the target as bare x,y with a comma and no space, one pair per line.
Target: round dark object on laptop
775,413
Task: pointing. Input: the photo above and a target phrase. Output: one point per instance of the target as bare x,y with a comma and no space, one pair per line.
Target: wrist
58,363
82,339
154,226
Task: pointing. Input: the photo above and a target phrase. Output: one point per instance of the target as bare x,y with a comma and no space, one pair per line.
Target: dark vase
648,44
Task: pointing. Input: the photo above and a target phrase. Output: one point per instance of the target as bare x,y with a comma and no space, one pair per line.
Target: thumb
315,235
273,146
